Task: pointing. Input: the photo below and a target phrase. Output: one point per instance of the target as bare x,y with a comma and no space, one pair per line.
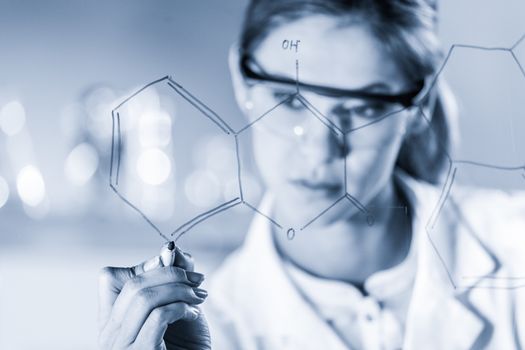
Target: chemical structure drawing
292,114
274,126
147,152
120,144
476,164
295,116
265,121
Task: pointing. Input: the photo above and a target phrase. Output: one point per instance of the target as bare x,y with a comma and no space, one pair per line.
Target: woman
369,123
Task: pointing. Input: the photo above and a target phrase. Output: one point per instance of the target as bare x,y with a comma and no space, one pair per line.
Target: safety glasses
253,73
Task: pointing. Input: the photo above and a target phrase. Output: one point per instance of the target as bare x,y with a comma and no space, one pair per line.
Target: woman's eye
290,100
371,110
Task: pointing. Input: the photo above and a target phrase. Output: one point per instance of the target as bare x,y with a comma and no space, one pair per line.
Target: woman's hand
138,304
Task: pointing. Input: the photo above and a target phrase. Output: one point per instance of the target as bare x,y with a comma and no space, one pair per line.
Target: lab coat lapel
441,314
282,312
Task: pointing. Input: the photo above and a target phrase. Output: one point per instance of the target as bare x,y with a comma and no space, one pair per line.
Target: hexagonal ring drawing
117,149
455,164
338,133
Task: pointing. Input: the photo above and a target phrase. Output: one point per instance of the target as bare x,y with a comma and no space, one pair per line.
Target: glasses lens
281,110
277,110
352,115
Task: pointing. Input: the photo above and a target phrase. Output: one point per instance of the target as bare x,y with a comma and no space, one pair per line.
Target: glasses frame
251,76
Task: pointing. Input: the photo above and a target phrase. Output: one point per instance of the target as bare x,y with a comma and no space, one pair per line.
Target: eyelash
370,110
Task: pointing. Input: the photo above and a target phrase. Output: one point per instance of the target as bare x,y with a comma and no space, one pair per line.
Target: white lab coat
479,237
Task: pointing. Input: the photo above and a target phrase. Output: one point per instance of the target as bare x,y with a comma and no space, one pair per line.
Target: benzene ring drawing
341,195
483,162
148,129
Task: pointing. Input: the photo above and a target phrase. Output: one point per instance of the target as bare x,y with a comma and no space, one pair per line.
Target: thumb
113,279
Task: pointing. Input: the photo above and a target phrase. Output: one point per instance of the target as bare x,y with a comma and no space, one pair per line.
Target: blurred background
65,64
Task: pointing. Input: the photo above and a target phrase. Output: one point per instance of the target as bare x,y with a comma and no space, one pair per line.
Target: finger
173,255
152,278
149,299
152,332
111,282
184,260
167,254
149,265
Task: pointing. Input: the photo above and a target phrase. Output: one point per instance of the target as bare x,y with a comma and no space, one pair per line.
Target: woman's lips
320,187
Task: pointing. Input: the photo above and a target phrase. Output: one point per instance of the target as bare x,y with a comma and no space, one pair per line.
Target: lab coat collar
436,307
446,254
288,319
452,229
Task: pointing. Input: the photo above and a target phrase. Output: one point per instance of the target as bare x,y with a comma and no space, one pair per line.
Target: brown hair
407,28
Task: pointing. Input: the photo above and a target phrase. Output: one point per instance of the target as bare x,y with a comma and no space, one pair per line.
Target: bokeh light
157,203
153,166
155,129
219,155
98,104
146,101
30,185
202,188
249,181
298,130
20,150
12,118
4,192
81,164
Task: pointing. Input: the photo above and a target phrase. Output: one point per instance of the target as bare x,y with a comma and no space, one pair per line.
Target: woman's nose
320,143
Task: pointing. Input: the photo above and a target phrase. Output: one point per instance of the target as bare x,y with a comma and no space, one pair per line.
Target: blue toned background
64,63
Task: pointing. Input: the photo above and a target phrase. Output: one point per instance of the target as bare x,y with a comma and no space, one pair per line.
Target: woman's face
301,159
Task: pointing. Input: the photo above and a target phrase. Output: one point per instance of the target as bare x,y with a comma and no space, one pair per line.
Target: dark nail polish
194,277
201,293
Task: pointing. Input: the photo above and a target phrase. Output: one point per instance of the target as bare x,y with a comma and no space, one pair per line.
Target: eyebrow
406,99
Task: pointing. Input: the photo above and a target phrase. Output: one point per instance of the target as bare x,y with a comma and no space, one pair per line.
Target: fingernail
152,263
194,312
195,277
201,293
167,256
